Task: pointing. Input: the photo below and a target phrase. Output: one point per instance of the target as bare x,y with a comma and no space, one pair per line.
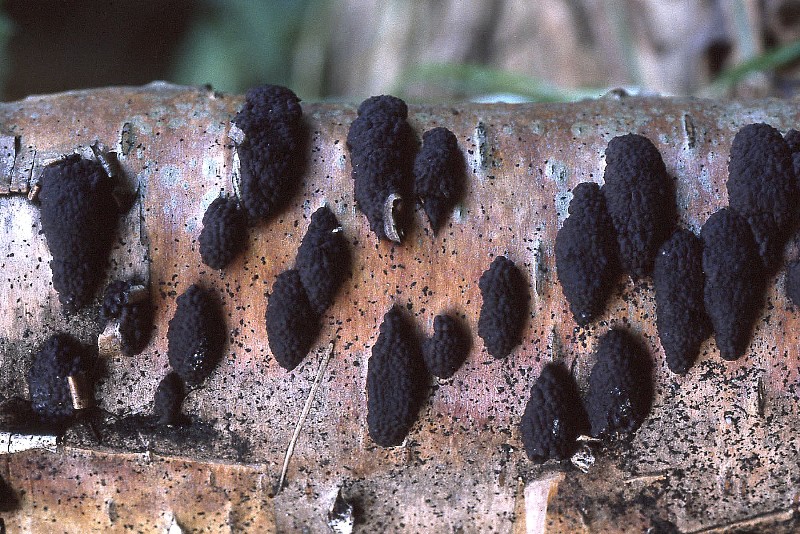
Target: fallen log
718,451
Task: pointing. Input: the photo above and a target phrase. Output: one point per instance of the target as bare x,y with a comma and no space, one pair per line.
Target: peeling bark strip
463,462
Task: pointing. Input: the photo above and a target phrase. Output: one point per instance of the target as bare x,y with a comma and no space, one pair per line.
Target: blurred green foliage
6,30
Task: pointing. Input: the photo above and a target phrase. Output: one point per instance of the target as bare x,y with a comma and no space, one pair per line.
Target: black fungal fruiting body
439,172
793,282
586,253
620,390
640,199
59,357
681,316
79,218
381,144
8,498
323,259
554,416
792,139
271,154
734,280
396,381
446,350
292,323
135,318
762,187
168,400
196,335
505,304
224,233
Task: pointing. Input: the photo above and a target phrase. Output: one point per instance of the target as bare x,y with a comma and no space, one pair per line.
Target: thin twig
307,408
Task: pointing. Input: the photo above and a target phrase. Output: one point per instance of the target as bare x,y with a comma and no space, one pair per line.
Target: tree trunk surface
718,452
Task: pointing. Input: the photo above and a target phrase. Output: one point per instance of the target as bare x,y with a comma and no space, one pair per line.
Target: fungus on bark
505,295
554,416
292,323
224,233
323,259
271,154
60,357
446,350
79,220
680,312
793,282
640,199
396,381
382,145
734,280
763,189
129,305
620,392
196,335
439,174
586,253
168,400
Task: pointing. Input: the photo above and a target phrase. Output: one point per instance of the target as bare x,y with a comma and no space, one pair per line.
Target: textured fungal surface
620,390
734,281
271,154
554,416
196,335
680,312
640,198
224,233
79,220
381,144
762,187
792,139
446,350
793,282
8,498
59,357
505,295
292,323
323,259
135,316
586,253
439,174
396,381
169,399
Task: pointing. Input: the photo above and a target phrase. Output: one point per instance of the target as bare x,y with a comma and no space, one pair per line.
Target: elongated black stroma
323,259
792,139
272,153
554,416
734,280
292,323
586,254
763,189
681,315
620,392
169,400
446,350
793,282
59,357
196,335
135,317
382,146
79,220
439,174
640,198
396,381
505,306
224,233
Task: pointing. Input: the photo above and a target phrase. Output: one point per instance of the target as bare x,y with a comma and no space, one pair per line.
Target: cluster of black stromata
714,283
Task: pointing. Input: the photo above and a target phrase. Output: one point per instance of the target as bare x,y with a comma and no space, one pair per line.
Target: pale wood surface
713,451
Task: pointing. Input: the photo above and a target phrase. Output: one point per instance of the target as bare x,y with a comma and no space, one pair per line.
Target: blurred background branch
427,50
